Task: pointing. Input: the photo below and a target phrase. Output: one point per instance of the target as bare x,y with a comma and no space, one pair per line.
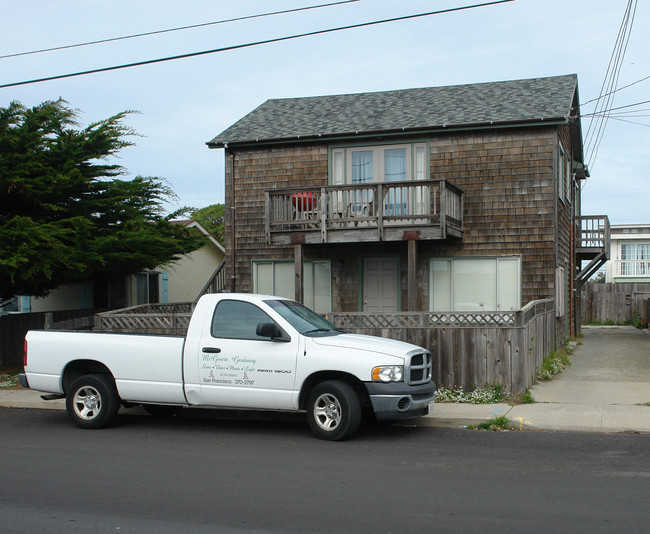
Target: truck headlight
388,373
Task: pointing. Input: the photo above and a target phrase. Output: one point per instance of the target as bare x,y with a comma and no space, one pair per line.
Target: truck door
240,369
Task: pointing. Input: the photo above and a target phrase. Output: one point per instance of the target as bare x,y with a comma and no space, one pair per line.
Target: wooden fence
147,318
13,328
470,349
617,303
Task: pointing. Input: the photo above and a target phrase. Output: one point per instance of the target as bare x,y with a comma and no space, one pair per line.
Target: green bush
487,395
553,364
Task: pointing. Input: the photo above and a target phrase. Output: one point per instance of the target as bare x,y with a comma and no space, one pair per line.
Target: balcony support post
412,239
298,257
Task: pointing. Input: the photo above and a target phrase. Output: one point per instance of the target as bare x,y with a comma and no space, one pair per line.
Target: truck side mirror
272,331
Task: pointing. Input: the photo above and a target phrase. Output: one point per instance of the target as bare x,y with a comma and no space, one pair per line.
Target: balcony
632,268
592,244
433,209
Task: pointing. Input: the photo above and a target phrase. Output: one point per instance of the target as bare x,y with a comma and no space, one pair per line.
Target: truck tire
333,410
92,401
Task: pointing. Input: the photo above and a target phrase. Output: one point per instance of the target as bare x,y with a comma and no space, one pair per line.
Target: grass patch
553,364
486,395
497,424
9,379
525,398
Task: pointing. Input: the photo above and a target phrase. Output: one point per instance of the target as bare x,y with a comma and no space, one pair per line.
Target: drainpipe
233,234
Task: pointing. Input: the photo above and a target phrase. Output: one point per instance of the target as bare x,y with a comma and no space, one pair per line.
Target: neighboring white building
188,276
629,257
180,281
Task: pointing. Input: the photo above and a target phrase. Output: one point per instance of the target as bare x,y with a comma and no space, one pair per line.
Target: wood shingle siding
508,149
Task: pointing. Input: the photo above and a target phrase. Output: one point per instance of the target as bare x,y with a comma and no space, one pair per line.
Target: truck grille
419,368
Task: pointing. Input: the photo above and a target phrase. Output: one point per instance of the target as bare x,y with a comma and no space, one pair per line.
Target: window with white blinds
475,284
278,278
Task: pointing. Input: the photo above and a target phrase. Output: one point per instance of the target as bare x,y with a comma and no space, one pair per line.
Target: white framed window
635,259
560,292
382,164
278,278
569,178
379,163
561,171
565,178
475,284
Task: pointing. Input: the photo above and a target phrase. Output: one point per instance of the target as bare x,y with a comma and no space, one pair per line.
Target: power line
631,122
192,26
609,110
247,45
610,84
616,90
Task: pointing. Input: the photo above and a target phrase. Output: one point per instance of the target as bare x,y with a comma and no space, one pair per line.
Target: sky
183,104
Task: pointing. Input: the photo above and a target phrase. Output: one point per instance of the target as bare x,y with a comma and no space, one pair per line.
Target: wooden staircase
593,242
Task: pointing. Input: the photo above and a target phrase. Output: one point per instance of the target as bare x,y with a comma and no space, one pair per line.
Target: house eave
298,139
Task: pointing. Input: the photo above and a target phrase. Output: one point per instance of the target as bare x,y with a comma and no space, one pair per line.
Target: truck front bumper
396,400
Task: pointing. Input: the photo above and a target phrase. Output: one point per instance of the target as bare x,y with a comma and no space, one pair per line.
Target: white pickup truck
241,351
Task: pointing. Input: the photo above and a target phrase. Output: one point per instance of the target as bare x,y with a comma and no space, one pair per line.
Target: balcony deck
364,213
592,244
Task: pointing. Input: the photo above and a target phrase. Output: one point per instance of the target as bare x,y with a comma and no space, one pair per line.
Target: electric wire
181,28
616,90
251,44
609,87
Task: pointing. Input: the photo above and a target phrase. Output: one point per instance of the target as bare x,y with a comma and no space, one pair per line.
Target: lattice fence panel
145,323
420,320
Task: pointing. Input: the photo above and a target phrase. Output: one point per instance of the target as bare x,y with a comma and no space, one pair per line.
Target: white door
380,285
238,368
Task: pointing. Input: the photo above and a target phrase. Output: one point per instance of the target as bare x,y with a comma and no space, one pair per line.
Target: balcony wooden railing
593,242
364,212
593,233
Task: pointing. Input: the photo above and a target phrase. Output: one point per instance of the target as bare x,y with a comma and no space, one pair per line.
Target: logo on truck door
235,370
218,369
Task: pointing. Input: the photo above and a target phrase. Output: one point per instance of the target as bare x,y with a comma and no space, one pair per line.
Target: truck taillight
25,354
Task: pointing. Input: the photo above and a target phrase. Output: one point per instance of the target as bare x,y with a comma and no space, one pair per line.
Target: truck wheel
92,401
333,410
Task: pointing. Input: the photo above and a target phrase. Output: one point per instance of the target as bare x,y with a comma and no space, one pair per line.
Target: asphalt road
211,474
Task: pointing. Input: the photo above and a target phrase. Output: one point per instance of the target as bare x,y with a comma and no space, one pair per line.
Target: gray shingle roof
517,101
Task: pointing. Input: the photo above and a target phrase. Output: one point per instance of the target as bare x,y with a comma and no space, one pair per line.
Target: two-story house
443,199
629,254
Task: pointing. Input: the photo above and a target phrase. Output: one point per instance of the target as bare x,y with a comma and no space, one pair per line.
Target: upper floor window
635,259
379,163
565,178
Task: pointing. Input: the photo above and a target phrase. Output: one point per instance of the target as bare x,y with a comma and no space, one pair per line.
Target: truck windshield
303,319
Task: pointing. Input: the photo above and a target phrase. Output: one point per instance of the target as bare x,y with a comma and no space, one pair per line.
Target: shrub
487,395
553,364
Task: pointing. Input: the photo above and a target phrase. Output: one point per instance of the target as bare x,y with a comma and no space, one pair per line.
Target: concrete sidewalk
604,390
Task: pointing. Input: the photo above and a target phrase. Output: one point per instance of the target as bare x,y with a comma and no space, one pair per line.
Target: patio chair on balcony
362,206
305,208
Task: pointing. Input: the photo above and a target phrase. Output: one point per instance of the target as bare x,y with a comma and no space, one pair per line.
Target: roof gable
495,103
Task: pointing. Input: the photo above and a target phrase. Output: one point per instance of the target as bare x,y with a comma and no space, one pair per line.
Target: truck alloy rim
87,403
327,411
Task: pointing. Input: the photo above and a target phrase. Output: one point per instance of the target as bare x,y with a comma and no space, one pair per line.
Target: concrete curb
538,416
604,390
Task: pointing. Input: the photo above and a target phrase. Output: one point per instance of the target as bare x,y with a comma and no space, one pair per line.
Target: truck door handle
213,350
